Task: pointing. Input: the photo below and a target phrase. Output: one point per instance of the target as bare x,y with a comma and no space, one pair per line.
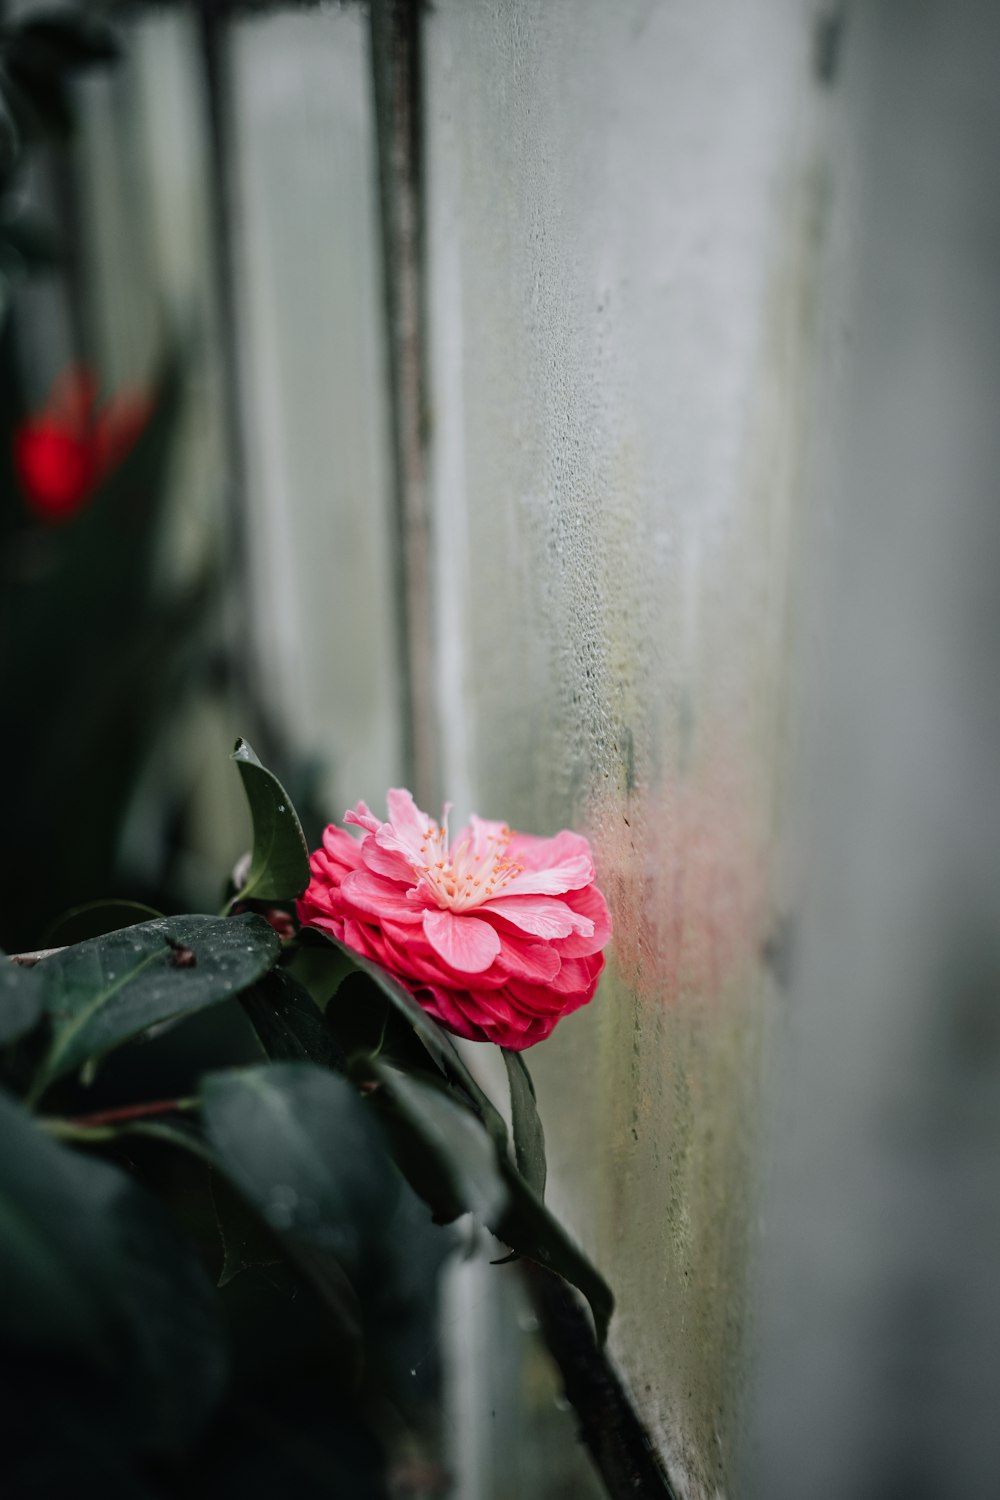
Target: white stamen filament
472,872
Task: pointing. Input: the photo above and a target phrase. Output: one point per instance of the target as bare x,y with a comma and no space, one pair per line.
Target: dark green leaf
289,1024
246,1240
457,1160
529,1138
318,964
455,1166
279,862
102,992
529,1228
93,1268
437,1042
300,1145
365,1021
20,999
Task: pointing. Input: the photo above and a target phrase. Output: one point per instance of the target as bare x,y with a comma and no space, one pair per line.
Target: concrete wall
626,208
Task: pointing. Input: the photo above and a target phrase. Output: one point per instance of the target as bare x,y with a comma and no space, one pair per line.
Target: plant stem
609,1425
125,1114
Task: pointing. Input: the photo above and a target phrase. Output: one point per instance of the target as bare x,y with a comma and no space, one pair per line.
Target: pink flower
497,934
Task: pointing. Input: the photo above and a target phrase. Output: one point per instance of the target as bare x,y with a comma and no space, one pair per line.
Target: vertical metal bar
213,16
395,30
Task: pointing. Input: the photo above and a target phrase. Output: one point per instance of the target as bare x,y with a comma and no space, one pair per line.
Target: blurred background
588,414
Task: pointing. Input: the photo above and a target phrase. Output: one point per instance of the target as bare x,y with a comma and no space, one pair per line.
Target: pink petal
409,953
536,962
466,944
575,976
536,999
539,1031
341,846
544,919
363,939
589,903
440,1004
496,1009
388,863
363,817
408,822
333,925
543,854
555,880
479,832
377,897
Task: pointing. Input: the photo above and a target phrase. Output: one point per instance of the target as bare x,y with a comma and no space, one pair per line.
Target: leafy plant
304,1151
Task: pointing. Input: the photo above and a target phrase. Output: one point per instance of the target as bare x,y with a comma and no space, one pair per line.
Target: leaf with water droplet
93,1012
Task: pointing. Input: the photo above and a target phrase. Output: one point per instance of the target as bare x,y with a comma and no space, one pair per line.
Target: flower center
473,871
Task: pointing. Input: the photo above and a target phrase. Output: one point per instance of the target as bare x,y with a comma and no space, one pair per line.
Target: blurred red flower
64,452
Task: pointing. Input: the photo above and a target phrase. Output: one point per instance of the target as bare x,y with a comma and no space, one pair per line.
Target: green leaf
102,992
246,1241
289,1024
366,1022
92,1268
300,1146
529,1138
437,1042
453,1164
442,1146
529,1228
20,999
279,863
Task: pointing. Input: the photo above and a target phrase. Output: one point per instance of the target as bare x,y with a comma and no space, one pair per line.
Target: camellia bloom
496,934
62,453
